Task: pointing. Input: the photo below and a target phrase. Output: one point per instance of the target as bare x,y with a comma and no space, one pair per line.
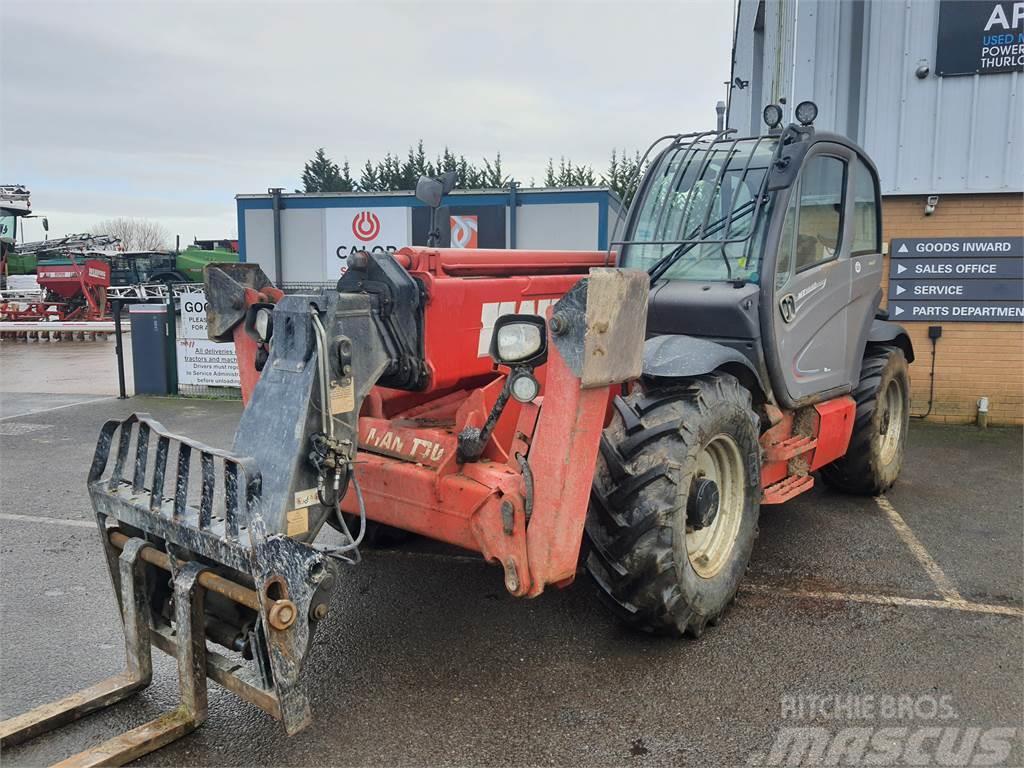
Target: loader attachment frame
207,532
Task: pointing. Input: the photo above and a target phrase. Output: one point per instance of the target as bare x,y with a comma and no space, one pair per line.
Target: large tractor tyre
674,507
873,461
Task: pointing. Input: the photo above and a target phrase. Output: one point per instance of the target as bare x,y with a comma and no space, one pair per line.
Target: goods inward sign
957,279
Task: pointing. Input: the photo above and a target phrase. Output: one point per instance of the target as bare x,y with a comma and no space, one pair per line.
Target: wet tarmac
425,660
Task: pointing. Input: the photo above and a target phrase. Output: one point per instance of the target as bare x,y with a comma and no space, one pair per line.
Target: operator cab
768,245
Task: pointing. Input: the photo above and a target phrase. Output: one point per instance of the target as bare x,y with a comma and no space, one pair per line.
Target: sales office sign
348,230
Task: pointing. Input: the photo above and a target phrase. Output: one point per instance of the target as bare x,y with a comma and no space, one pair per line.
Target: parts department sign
957,279
980,37
348,230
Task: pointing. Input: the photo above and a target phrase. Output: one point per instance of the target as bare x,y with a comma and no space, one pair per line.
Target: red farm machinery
73,291
626,413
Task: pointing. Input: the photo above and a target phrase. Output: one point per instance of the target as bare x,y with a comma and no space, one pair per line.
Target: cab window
866,235
813,225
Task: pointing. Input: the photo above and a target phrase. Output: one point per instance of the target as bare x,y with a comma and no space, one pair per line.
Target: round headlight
806,111
772,115
525,388
518,341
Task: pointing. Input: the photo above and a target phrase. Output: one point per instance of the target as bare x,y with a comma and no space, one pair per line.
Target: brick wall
972,359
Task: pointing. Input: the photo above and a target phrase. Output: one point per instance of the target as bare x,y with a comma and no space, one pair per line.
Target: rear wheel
875,456
674,508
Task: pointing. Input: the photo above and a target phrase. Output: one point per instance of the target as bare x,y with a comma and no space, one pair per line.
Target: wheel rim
710,548
890,424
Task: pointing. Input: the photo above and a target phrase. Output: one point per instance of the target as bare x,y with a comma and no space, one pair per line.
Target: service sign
957,279
980,37
202,362
349,230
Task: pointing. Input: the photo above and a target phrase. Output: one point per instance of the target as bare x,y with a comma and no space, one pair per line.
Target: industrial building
302,239
929,88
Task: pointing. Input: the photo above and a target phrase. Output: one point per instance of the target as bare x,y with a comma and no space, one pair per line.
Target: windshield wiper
663,264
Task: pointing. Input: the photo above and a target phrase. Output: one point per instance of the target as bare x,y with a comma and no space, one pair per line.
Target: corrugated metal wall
857,59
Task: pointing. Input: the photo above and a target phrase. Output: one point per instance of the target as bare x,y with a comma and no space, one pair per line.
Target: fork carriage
184,549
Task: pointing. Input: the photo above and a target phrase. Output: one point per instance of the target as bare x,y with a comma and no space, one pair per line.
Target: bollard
983,413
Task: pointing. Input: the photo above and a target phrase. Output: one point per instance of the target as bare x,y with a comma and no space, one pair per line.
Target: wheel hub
714,507
702,505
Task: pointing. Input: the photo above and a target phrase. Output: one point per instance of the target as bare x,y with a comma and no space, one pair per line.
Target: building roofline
410,193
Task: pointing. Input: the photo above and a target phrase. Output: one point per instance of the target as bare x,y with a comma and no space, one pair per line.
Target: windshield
701,204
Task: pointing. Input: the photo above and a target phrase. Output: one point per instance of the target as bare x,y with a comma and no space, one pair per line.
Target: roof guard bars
699,152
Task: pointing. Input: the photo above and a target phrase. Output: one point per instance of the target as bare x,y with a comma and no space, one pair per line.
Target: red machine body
69,281
407,468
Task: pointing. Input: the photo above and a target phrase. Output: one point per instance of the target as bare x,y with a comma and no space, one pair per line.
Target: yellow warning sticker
306,498
343,396
298,522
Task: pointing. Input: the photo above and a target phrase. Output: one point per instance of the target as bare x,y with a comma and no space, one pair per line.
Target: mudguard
885,331
675,356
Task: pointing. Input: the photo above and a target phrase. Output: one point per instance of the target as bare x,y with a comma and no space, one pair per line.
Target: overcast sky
168,110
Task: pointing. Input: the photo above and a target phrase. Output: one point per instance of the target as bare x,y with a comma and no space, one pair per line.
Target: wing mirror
430,192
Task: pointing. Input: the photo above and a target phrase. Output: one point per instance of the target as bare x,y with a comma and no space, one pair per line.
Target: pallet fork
213,552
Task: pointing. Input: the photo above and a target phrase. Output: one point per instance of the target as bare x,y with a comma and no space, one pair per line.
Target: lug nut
282,614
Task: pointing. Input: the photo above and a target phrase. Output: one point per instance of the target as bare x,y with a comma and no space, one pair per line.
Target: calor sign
348,230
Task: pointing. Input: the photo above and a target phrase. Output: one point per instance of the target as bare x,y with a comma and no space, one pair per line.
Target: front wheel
675,504
875,455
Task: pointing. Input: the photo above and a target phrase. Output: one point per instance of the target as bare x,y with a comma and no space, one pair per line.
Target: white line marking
58,407
895,600
47,520
942,582
849,597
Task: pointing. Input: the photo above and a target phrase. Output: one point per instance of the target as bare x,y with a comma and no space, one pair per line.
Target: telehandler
638,405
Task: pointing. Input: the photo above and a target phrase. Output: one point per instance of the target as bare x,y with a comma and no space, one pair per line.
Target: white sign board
348,230
202,362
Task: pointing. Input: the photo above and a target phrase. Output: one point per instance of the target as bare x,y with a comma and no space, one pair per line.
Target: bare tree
135,234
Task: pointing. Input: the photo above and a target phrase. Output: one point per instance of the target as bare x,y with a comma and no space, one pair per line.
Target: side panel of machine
809,282
462,314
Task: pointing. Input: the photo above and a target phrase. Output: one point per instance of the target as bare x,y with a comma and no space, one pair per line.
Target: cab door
812,282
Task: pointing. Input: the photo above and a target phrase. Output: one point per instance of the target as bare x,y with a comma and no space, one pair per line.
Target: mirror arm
473,440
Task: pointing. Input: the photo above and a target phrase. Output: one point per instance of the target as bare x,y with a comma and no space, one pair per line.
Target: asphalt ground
425,660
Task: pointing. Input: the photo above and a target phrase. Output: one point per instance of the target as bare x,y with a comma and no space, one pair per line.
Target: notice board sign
957,279
202,362
980,37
